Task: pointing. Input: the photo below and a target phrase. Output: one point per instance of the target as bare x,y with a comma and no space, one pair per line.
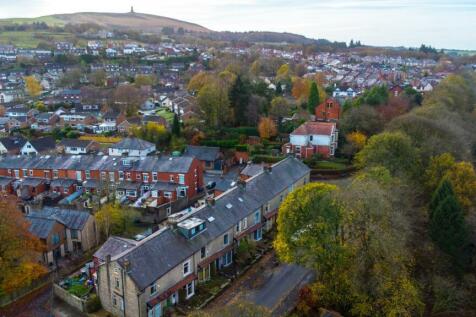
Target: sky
439,23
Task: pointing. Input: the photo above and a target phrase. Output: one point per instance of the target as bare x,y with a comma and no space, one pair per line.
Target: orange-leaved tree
267,128
19,249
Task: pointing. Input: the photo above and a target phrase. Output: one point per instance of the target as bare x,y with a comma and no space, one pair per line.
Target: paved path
274,286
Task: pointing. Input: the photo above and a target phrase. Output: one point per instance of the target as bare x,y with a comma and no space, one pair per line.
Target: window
128,176
311,138
225,239
47,174
121,175
111,177
258,234
25,172
227,258
181,179
145,176
153,289
116,282
87,174
103,176
245,223
257,217
55,239
203,252
186,268
138,176
55,173
169,210
131,193
17,174
168,195
154,176
31,172
171,179
74,234
190,290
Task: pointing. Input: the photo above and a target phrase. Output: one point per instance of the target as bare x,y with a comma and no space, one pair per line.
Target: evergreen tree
176,126
447,224
239,98
314,99
448,227
444,190
279,89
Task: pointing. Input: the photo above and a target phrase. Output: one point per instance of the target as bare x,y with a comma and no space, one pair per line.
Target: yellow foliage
463,178
32,86
100,139
267,128
357,139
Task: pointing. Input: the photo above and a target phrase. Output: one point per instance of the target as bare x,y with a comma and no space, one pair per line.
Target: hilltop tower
132,9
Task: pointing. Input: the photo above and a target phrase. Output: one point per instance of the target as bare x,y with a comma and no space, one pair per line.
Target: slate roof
203,153
13,143
32,181
113,246
167,164
40,227
62,182
5,180
43,144
133,144
252,169
157,254
75,143
72,219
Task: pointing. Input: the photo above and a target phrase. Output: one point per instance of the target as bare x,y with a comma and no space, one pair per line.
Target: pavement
283,284
268,283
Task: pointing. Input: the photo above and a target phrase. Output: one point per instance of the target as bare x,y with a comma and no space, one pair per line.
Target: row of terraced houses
143,278
166,178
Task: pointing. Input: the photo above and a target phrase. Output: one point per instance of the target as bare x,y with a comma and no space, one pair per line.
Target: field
31,39
50,20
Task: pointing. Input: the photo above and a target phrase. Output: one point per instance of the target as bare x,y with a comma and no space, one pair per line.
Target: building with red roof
313,138
329,110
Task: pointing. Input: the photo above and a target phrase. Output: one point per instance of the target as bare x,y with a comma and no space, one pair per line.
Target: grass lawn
79,290
50,20
168,115
330,165
31,39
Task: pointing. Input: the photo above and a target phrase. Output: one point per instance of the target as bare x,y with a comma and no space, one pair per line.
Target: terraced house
144,278
165,178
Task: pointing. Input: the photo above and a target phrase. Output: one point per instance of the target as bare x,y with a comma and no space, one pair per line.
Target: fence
9,298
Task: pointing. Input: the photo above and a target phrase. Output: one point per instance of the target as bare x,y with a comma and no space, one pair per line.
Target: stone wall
69,298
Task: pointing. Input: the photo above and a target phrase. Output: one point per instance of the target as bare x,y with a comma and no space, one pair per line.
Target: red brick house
329,110
313,138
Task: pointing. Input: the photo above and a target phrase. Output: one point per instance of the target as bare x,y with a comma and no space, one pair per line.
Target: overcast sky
440,23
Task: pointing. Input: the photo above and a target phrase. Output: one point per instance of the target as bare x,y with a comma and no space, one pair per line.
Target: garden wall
69,298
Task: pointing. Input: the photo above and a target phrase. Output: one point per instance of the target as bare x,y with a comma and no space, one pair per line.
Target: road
269,284
282,282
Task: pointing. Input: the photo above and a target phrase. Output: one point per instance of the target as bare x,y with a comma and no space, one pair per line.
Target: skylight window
229,206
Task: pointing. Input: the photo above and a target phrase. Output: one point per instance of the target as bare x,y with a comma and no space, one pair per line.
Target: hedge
266,159
227,144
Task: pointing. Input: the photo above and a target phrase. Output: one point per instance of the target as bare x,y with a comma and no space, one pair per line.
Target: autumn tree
214,105
152,132
114,219
279,108
71,78
392,150
314,99
98,78
355,142
463,179
300,90
437,168
267,128
32,86
145,80
364,119
283,73
199,80
128,99
19,250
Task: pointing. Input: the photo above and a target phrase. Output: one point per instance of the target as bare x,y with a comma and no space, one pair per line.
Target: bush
79,290
93,304
226,144
248,131
242,147
266,159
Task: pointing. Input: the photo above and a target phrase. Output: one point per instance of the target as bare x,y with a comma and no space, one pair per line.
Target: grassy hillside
31,39
119,21
50,20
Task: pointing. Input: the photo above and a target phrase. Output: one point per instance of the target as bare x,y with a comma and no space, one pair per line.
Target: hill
114,21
